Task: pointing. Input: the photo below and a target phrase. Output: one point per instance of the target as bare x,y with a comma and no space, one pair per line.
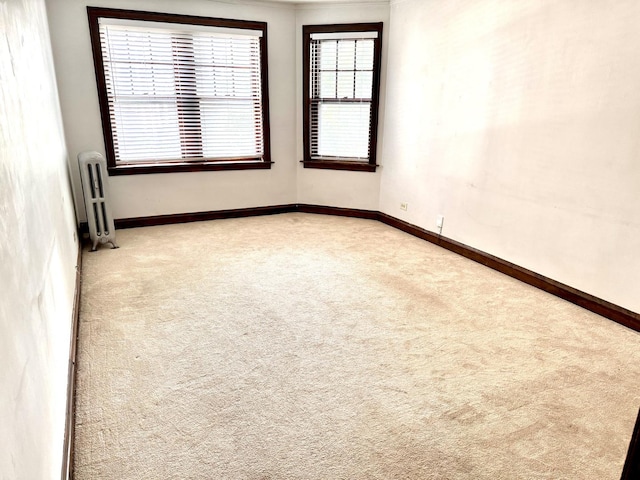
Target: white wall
519,121
167,193
38,249
335,187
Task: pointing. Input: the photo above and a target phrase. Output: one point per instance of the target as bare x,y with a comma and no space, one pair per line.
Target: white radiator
93,171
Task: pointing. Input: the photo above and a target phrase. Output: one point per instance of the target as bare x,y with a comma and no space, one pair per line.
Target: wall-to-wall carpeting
303,346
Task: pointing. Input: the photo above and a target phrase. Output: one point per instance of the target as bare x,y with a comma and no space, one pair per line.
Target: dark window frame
330,164
191,165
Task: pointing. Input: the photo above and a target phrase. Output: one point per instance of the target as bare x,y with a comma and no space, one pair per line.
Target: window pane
130,45
225,82
327,54
228,128
227,66
345,84
364,57
343,130
229,51
228,86
364,84
137,63
327,85
146,130
346,54
141,79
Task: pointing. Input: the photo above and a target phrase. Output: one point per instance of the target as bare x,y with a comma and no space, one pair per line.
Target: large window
341,84
180,92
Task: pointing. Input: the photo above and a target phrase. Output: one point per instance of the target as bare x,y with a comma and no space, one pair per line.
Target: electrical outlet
404,206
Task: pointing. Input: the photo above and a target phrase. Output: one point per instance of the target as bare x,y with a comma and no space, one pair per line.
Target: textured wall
38,249
519,122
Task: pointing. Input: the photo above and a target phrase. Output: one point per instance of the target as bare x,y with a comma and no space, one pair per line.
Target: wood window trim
339,164
133,168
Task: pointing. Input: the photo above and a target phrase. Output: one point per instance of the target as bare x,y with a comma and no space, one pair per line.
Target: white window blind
341,91
182,92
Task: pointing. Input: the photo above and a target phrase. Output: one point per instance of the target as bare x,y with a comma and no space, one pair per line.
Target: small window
180,92
341,84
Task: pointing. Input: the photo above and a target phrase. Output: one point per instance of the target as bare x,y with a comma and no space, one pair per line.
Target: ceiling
323,1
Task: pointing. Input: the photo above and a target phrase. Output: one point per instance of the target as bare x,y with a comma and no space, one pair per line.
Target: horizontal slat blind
182,94
341,94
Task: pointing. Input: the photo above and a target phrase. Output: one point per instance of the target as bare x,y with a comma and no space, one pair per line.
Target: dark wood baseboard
69,427
342,212
631,469
199,216
150,221
594,304
237,213
601,307
597,305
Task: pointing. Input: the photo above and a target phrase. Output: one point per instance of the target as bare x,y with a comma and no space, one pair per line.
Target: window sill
340,165
172,167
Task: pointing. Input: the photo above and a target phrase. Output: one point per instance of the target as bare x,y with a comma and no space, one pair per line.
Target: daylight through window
341,95
182,93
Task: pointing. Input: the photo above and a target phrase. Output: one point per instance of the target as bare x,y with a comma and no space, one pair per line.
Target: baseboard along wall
597,305
69,427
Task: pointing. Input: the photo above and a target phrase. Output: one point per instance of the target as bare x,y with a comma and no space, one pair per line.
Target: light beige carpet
304,346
